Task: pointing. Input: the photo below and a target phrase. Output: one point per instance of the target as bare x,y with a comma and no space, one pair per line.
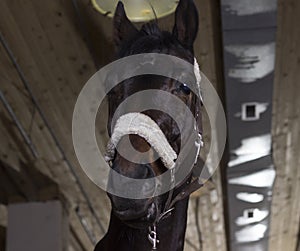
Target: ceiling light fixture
137,10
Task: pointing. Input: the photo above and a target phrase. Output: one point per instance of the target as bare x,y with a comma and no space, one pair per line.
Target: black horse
137,224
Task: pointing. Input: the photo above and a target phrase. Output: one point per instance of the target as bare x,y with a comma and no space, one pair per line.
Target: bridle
192,181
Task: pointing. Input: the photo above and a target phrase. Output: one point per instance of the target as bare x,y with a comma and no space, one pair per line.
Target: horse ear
122,26
186,23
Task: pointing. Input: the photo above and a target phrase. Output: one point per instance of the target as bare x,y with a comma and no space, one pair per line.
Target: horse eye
185,89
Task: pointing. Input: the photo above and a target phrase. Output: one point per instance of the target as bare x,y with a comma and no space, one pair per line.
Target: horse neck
170,233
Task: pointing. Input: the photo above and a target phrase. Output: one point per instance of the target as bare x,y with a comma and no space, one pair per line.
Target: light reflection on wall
264,178
251,233
246,7
251,216
253,61
250,197
251,149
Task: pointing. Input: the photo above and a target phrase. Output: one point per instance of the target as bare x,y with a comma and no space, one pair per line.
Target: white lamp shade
137,10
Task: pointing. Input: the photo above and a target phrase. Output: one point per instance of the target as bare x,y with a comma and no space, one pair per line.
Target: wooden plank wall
49,48
285,218
209,54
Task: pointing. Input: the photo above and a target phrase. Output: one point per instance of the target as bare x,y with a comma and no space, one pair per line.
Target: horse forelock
151,28
151,38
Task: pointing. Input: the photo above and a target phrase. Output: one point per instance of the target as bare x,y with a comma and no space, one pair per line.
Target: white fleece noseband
142,125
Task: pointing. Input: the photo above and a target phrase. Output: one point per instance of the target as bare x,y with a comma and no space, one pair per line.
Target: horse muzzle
135,213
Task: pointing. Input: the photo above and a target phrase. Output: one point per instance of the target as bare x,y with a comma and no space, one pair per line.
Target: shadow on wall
24,182
28,184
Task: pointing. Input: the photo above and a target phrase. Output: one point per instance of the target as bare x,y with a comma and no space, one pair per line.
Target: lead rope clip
152,237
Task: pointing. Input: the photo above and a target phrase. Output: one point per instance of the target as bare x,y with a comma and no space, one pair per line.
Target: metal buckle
152,237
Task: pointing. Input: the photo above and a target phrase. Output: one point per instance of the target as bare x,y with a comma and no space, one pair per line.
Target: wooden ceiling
57,51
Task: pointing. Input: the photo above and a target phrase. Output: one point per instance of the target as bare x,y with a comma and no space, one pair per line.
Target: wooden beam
286,126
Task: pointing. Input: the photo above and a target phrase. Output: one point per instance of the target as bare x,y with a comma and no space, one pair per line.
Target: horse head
150,38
